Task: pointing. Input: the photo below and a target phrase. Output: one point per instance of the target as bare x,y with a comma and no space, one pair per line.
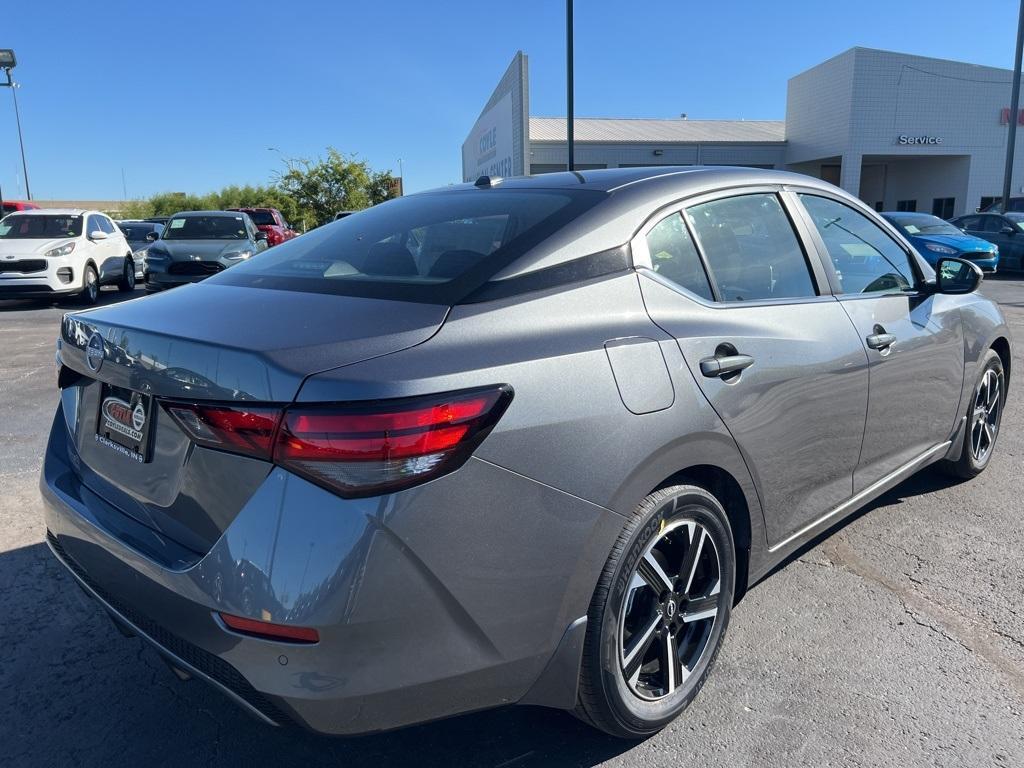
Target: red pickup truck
271,221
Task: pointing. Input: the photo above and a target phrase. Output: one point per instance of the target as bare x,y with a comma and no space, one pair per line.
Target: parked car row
51,253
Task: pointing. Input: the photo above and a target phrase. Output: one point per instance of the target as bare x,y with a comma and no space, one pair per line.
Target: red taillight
354,449
239,429
362,450
270,631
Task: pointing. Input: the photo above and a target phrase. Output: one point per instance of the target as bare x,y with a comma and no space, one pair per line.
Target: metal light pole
570,118
1011,136
9,62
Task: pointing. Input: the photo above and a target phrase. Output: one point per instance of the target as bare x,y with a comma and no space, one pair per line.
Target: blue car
934,238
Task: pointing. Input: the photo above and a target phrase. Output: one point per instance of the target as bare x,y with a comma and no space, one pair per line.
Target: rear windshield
39,227
433,248
206,228
262,218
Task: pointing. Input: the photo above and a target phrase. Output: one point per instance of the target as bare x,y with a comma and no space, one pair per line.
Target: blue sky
188,96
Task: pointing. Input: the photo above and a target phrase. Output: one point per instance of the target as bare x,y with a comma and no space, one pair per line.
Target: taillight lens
363,450
239,429
354,449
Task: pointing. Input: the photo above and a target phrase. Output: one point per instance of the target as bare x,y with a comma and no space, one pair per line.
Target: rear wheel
983,419
127,281
90,286
659,614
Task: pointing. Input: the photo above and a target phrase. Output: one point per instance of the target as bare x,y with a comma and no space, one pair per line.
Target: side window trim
708,272
819,244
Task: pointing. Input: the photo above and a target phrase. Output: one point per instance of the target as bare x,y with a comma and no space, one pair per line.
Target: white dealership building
901,132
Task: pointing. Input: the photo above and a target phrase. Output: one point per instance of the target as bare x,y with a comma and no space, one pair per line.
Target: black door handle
714,367
880,341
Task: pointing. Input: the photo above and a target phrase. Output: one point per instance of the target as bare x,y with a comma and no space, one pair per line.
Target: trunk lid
213,343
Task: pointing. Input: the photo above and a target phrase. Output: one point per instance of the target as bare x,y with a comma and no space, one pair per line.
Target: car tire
127,282
90,293
984,415
628,686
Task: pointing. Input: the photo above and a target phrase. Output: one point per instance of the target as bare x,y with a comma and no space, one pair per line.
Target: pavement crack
928,612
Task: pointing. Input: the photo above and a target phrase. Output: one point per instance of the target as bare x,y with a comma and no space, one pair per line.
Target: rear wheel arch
724,487
1002,347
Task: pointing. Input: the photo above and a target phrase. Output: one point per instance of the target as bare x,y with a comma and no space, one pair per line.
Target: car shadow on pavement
108,296
923,482
73,690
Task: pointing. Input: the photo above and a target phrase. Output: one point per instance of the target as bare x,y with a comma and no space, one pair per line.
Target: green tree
324,186
307,194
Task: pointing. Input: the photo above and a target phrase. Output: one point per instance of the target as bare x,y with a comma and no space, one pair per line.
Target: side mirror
955,276
261,235
152,237
1007,230
98,234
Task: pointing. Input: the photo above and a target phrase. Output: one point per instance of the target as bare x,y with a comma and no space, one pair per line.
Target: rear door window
751,248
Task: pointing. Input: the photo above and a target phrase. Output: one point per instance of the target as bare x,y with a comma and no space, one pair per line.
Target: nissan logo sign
94,352
904,139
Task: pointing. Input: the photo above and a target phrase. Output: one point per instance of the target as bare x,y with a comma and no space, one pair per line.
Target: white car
60,252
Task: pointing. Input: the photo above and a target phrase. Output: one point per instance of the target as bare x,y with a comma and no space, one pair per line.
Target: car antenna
487,181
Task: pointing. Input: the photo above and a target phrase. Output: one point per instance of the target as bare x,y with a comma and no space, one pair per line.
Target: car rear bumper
439,600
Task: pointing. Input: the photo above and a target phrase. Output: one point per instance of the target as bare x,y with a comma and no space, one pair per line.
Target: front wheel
983,419
90,286
659,613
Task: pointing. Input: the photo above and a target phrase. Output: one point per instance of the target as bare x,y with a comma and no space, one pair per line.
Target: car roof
54,212
616,179
225,214
911,215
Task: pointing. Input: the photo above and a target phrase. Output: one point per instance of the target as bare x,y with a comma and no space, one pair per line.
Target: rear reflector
268,631
354,449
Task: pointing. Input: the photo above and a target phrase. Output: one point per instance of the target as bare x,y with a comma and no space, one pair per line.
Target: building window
943,207
537,169
988,200
906,206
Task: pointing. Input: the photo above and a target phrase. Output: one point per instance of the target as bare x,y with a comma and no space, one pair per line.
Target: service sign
488,150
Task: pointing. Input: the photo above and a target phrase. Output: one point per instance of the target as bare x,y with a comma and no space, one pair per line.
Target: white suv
60,252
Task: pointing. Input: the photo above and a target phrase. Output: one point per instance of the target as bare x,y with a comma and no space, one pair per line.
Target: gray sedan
519,441
197,244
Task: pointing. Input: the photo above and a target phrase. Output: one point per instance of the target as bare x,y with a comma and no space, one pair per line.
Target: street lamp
9,61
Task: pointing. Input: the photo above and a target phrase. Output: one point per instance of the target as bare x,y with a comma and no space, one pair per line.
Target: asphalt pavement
896,641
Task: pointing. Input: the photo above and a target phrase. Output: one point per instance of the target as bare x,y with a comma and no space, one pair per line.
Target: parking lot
898,640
